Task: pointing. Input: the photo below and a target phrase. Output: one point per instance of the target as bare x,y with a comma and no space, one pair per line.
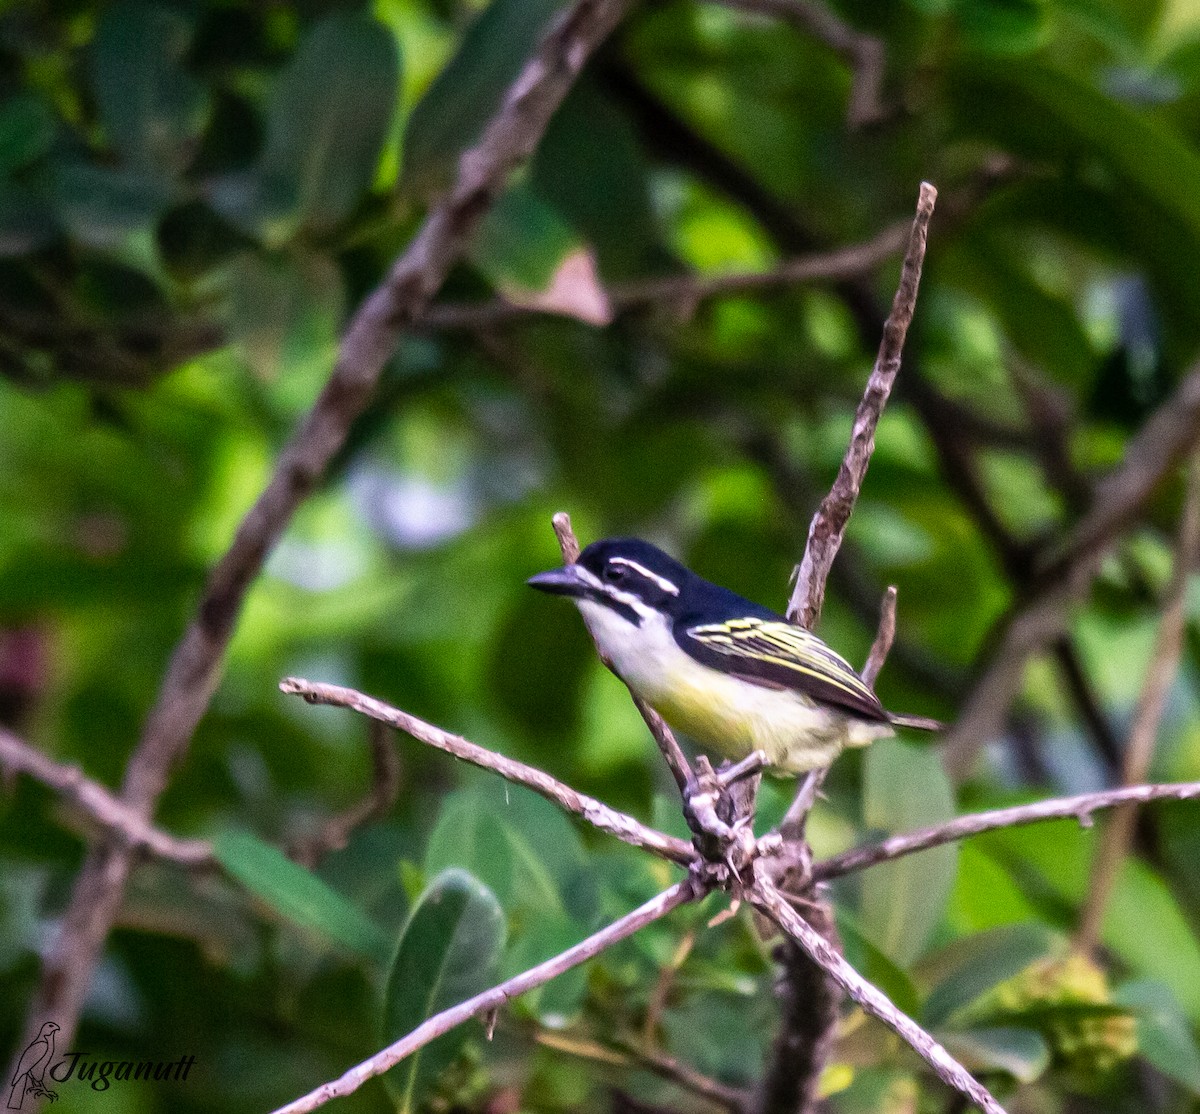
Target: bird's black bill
567,581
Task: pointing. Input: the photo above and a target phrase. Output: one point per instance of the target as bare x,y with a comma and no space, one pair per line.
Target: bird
731,675
30,1074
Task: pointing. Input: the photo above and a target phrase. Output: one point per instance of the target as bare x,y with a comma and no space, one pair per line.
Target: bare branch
1059,808
864,53
629,1053
594,812
732,1099
496,998
101,805
771,902
884,638
508,139
676,761
568,543
385,787
1164,665
1040,617
829,523
809,1007
690,290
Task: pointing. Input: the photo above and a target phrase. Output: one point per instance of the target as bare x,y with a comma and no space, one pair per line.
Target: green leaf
518,844
447,953
967,969
1164,1035
283,315
589,166
904,787
534,259
1048,113
1170,952
27,129
327,125
151,109
1003,26
296,894
449,118
1043,328
876,967
561,999
1022,1053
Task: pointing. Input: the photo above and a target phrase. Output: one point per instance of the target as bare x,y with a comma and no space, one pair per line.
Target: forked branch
496,998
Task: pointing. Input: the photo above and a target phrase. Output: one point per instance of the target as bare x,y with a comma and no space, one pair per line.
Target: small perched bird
733,676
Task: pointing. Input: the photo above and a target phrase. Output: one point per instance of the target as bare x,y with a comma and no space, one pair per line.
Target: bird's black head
631,576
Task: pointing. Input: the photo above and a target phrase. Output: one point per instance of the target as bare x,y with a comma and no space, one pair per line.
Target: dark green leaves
447,953
905,787
465,94
326,127
151,108
296,894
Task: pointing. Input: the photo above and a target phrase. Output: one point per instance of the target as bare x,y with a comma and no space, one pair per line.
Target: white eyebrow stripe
661,581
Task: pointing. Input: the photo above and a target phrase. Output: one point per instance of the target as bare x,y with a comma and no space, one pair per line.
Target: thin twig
1087,704
864,53
335,833
507,140
884,638
793,823
733,1099
1040,617
1059,808
829,523
496,998
770,901
594,812
689,290
1164,665
657,1004
101,805
672,752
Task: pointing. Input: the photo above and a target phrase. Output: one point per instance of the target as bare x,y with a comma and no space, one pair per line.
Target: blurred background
194,197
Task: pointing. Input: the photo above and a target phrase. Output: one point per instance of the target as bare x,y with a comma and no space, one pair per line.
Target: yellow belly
732,718
720,713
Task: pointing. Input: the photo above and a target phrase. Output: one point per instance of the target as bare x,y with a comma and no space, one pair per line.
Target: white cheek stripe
661,581
630,601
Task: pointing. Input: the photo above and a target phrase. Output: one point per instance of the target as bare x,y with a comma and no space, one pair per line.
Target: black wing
782,655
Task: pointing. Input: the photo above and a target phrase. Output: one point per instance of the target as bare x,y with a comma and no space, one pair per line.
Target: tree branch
1040,616
864,53
596,813
101,805
884,638
496,998
1160,675
629,1053
335,833
829,523
1059,808
509,138
770,901
689,290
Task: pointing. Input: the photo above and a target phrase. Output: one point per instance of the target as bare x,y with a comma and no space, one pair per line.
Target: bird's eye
614,574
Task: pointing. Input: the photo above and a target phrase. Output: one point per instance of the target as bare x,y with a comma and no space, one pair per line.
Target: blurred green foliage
193,198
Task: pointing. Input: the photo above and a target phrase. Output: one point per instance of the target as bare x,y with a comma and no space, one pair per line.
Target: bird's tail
920,723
